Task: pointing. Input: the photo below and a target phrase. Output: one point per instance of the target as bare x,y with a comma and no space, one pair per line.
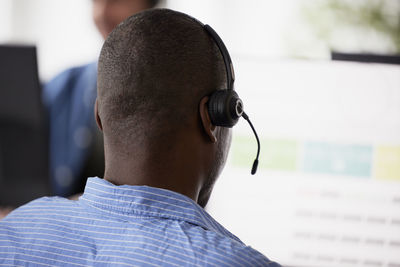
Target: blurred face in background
107,14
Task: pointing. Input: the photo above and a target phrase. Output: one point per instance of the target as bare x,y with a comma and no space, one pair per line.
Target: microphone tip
254,168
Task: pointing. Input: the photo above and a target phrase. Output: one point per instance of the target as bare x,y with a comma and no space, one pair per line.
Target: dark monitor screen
23,128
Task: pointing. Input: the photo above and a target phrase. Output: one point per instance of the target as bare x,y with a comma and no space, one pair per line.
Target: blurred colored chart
387,162
381,162
353,160
276,154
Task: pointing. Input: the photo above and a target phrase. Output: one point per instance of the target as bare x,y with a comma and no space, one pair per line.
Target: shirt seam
106,209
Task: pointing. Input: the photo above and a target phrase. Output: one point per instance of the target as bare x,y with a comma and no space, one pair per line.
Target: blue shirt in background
69,99
120,226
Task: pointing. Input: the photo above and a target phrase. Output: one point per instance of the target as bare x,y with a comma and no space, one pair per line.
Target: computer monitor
23,129
327,189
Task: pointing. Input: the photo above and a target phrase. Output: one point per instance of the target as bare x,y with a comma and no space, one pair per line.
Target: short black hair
153,70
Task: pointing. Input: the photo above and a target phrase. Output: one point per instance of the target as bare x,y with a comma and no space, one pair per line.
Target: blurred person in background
76,146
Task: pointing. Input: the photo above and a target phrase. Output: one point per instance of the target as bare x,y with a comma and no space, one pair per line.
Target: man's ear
96,115
208,127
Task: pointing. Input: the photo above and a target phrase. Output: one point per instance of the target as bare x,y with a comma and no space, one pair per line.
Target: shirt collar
129,202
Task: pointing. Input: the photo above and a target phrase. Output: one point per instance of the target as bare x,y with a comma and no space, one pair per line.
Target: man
76,146
163,154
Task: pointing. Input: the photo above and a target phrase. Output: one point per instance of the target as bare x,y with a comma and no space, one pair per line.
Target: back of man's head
153,70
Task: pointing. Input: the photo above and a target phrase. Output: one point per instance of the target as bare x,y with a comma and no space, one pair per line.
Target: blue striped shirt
120,226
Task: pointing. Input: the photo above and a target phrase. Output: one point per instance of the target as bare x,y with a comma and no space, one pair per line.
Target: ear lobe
96,116
208,127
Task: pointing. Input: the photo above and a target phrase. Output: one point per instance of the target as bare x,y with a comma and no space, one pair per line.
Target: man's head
107,14
155,73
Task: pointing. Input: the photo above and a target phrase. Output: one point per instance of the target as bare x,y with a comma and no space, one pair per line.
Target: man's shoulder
245,255
74,71
33,213
41,206
223,250
68,80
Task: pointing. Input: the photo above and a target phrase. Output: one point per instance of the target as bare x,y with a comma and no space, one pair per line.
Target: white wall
5,19
65,34
63,31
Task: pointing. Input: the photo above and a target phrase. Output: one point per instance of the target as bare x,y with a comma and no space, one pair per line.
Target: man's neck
174,172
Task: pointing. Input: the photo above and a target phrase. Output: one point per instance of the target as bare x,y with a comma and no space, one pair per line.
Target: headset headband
225,106
230,74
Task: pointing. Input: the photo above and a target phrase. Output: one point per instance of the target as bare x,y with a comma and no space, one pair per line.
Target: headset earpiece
225,108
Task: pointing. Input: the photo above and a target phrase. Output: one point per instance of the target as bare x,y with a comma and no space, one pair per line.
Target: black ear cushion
221,108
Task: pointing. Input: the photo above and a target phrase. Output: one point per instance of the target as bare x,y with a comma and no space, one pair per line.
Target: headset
224,106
